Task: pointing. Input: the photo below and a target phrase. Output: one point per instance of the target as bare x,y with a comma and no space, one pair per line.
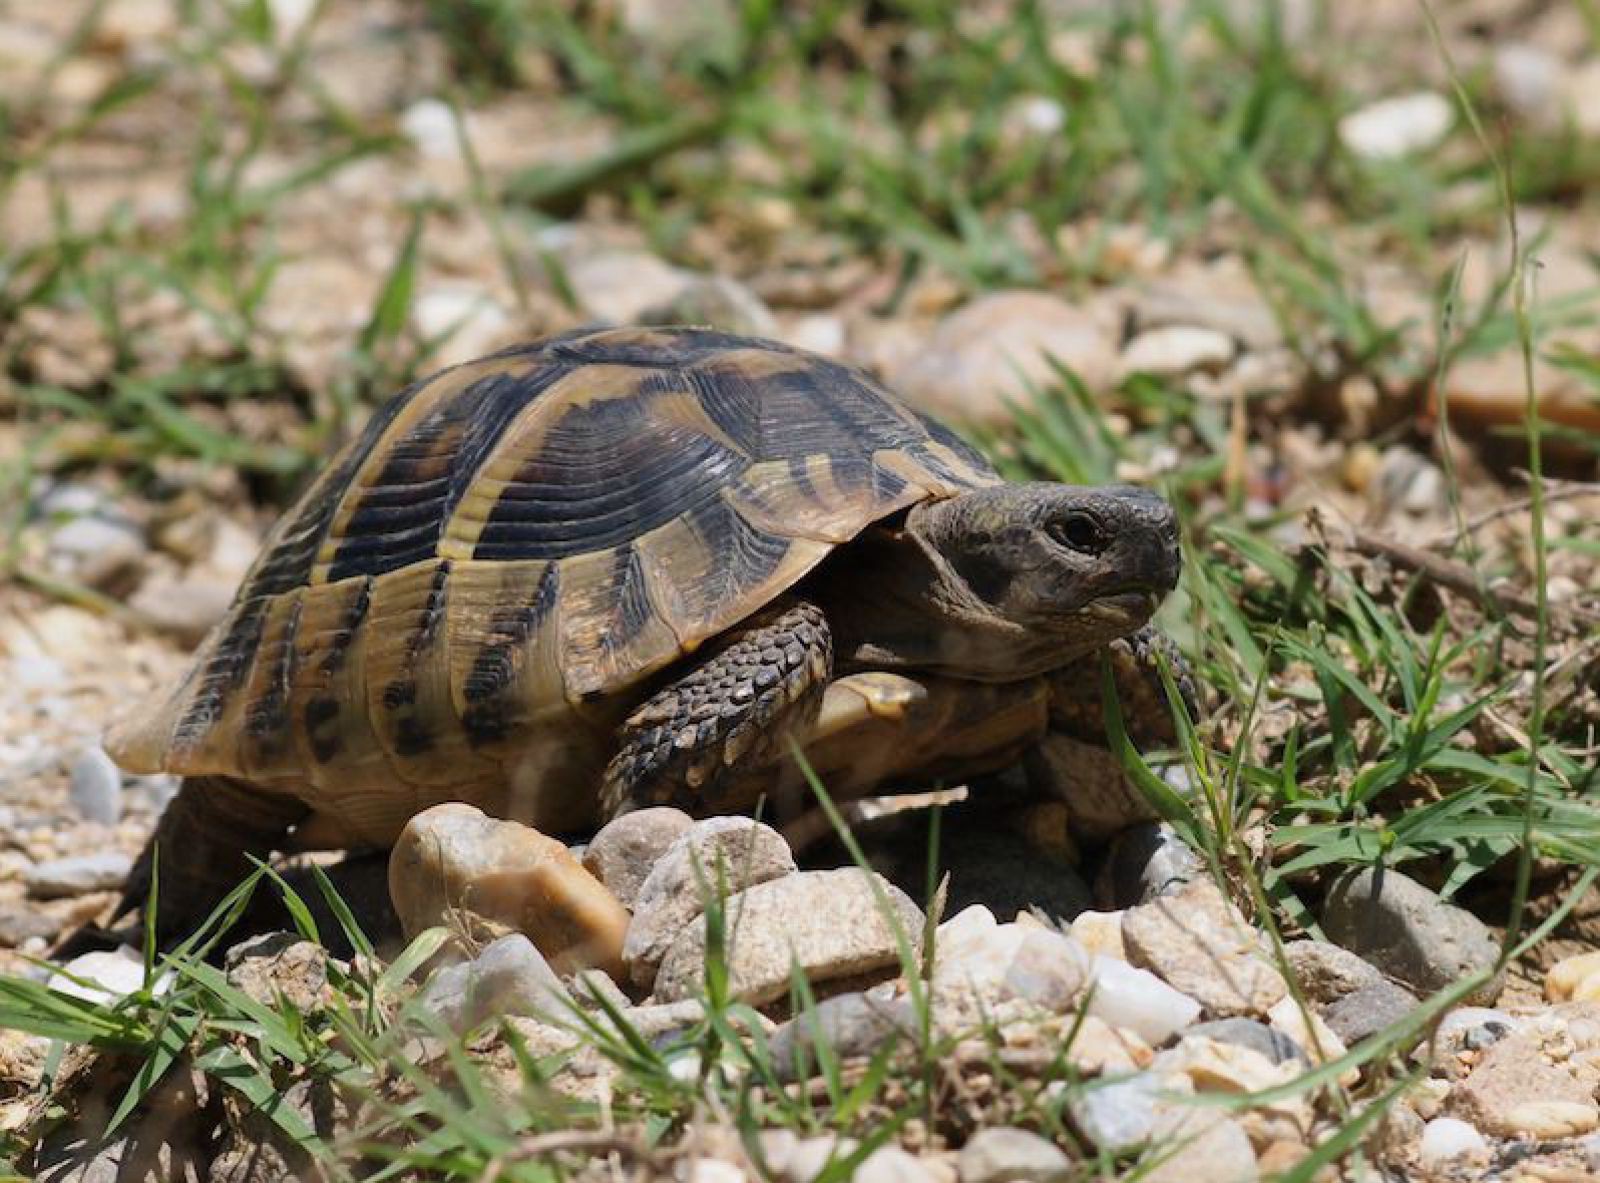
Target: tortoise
622,567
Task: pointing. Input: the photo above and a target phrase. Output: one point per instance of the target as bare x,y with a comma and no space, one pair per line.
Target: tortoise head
1043,572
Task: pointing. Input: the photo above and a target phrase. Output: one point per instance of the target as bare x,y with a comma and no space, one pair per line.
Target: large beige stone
1196,940
456,866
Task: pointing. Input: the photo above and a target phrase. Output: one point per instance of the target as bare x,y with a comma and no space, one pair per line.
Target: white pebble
430,125
107,976
96,788
1139,1001
1391,128
1446,1140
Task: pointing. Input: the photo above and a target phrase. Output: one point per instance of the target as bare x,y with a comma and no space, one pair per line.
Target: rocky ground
225,234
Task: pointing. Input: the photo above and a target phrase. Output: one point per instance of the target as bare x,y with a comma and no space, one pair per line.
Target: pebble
997,350
1464,1029
510,977
453,865
1515,1091
18,926
851,1025
279,967
1220,295
718,301
1253,1034
890,1164
96,787
617,287
1176,350
726,854
980,963
1325,972
828,922
1219,1153
95,551
1100,933
1448,1142
77,875
1408,932
1121,1115
701,1169
1145,862
1529,80
1002,1154
430,125
1368,1010
467,322
1396,127
623,852
107,976
1138,1001
1309,1033
1576,977
1196,941
186,608
1218,1066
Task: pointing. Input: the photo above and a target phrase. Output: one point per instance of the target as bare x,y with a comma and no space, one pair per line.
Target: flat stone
851,1025
21,925
1396,127
1326,972
280,967
618,286
1176,350
1220,295
1145,861
1004,1155
1516,1091
94,550
830,923
510,977
106,976
1448,1142
720,854
453,865
998,349
1408,932
890,1164
77,875
1219,1153
1368,1010
1196,941
95,788
1255,1035
1138,1001
623,852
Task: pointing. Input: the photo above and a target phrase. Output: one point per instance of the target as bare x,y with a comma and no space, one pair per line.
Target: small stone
1216,1066
77,875
617,287
1326,972
21,925
1001,1154
1255,1035
280,967
186,608
1138,1001
1100,933
107,976
701,1169
510,977
1309,1033
890,1164
1197,941
467,321
624,851
95,551
976,969
1466,1029
1219,1153
1529,80
96,787
430,125
453,865
999,349
1515,1091
1408,932
1447,1142
1565,977
806,1158
1221,295
851,1025
1368,1010
1176,350
1099,1049
717,301
719,855
1145,862
1396,127
1122,1115
830,923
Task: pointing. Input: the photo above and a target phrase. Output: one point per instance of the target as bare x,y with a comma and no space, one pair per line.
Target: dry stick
1555,491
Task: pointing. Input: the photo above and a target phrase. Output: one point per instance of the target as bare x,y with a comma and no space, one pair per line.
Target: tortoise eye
1078,531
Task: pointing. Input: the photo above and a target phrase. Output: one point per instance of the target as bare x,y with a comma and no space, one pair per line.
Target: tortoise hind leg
206,838
688,744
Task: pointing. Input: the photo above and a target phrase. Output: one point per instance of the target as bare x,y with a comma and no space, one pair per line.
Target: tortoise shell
520,539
